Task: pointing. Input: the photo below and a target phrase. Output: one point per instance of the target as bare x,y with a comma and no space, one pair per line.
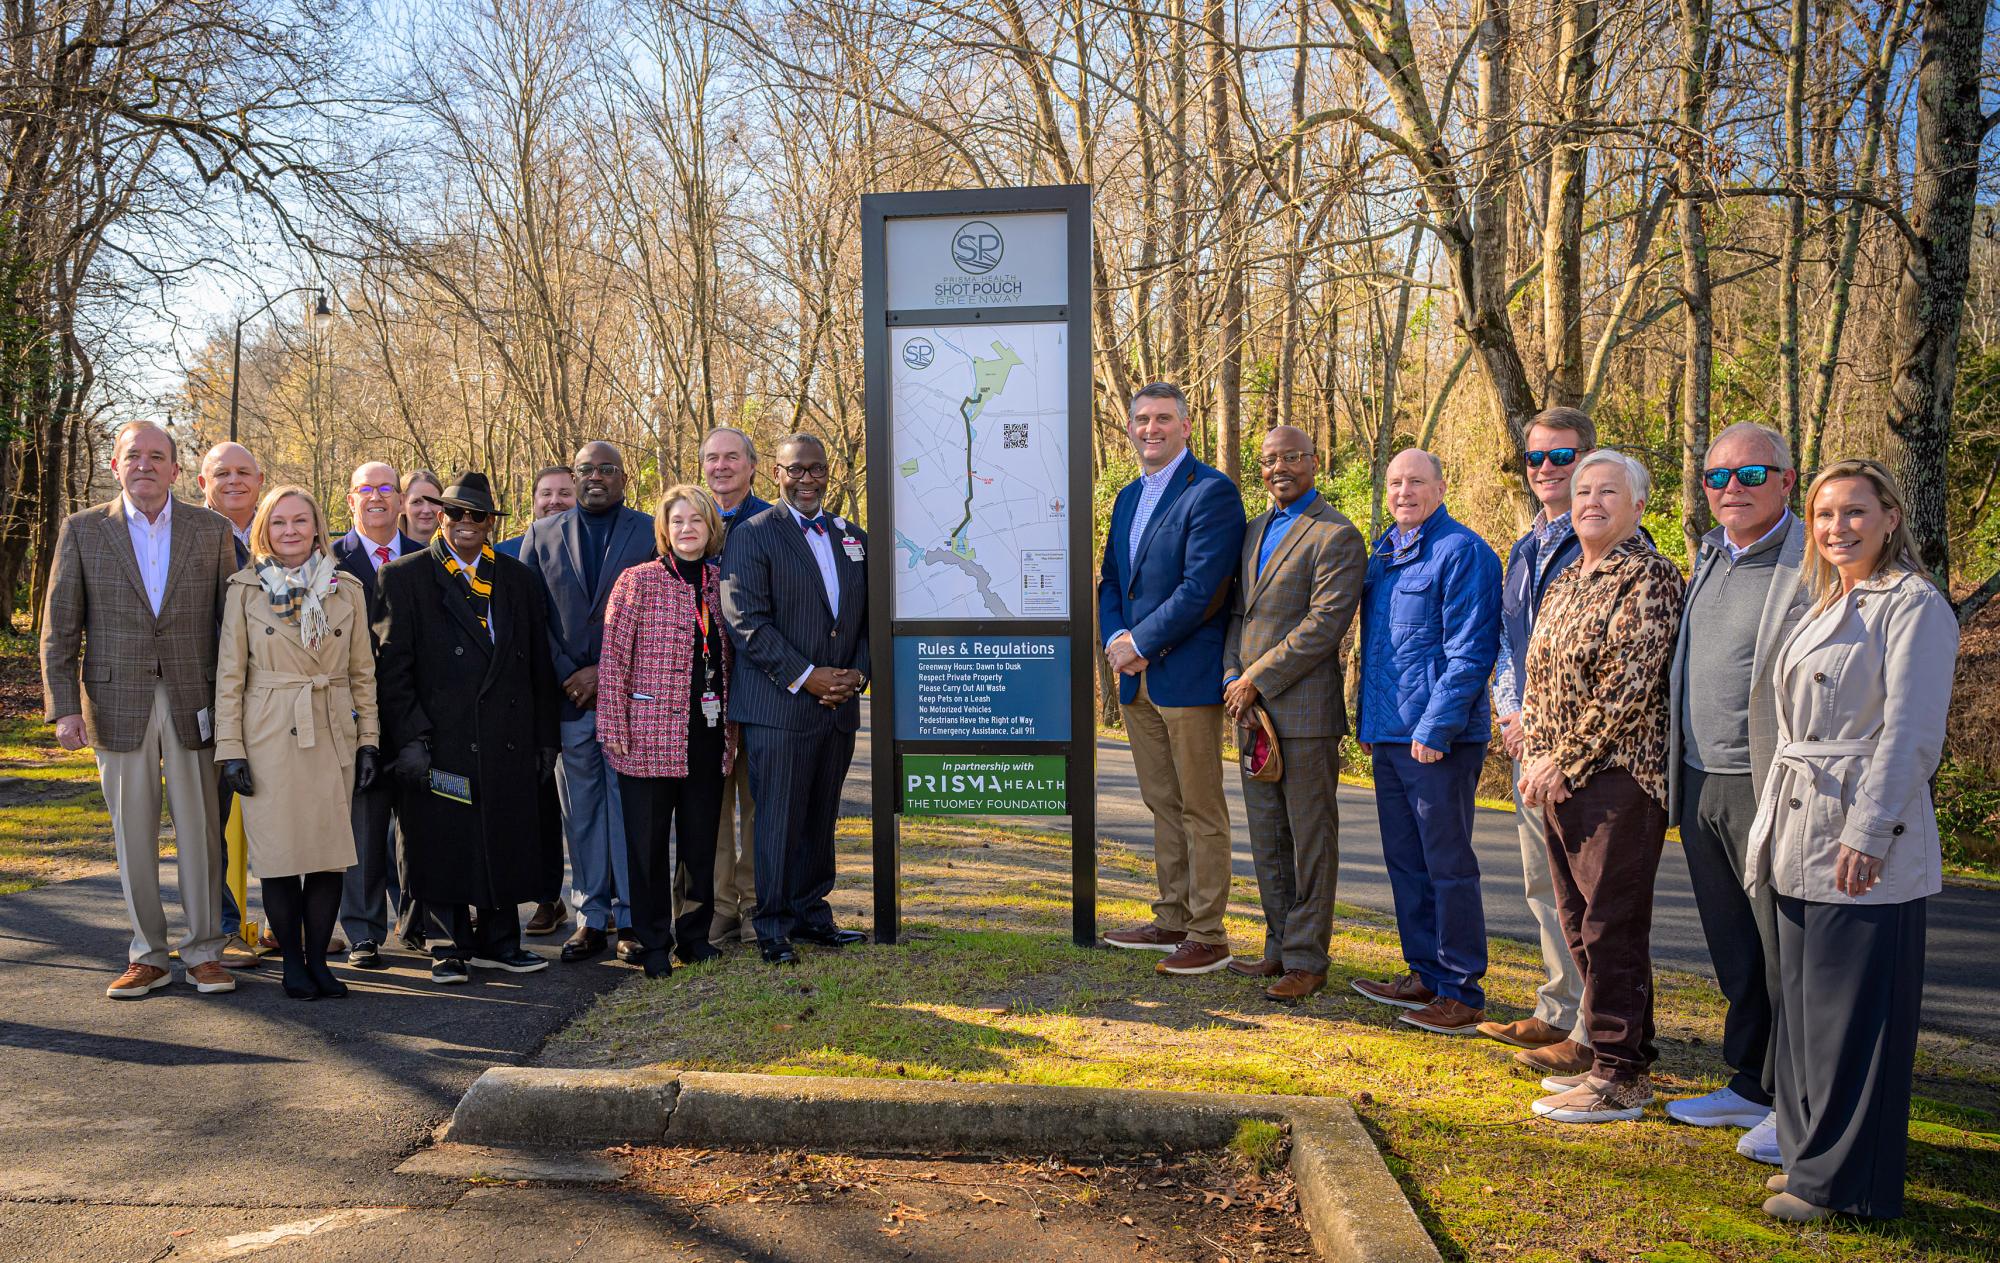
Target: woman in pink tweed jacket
662,706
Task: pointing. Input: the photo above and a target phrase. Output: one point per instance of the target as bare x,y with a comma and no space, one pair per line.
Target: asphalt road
1961,981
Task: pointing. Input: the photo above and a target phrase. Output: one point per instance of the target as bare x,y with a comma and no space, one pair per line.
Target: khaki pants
132,781
735,859
1177,752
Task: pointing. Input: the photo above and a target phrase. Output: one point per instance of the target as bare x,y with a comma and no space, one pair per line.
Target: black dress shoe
366,956
629,950
698,955
582,945
827,936
518,961
779,952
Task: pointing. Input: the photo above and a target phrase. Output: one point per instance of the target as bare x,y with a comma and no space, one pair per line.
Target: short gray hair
1637,476
1159,390
749,444
1781,451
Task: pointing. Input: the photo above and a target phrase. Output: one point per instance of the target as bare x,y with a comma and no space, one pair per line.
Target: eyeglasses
1273,460
1557,456
1748,475
475,516
386,489
815,470
607,471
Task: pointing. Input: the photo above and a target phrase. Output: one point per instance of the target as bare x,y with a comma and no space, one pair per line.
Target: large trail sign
979,513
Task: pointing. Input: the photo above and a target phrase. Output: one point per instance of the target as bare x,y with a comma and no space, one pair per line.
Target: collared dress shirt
820,543
1281,521
1151,488
152,544
1736,554
380,555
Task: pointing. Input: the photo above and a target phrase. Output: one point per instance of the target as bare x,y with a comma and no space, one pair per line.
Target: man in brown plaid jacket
1300,583
128,668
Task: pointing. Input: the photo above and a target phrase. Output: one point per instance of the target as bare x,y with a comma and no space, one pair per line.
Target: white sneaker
1720,1108
1760,1143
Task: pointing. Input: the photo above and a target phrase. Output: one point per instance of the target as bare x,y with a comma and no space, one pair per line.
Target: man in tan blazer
128,668
1300,583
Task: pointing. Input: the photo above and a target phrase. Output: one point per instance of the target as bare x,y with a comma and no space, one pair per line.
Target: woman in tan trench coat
296,730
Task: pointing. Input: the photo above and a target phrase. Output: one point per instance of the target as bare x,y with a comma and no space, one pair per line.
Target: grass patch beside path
988,988
53,825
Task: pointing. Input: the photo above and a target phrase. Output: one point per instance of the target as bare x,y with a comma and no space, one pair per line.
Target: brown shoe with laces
138,981
1257,968
1529,1032
1445,1016
1195,958
1295,986
1147,938
1406,992
210,978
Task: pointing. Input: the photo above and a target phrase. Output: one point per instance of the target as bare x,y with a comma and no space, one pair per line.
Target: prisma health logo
976,247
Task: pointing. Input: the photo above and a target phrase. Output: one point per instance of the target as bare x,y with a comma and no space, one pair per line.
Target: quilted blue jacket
1430,631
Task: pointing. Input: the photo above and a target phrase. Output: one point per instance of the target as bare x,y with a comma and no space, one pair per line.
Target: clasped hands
1124,655
834,686
1542,783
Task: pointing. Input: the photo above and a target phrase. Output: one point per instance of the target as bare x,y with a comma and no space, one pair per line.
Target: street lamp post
321,314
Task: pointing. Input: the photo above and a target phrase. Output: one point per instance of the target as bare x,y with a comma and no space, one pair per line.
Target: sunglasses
1748,475
475,516
1557,456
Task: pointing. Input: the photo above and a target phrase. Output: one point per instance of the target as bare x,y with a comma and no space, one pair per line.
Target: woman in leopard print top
1595,714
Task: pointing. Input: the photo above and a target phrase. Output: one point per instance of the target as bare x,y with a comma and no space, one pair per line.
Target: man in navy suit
554,492
579,555
729,467
375,883
795,594
1162,608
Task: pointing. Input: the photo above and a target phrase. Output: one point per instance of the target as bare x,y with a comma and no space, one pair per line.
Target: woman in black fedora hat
469,703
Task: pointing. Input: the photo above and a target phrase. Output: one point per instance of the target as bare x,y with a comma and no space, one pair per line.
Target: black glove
367,768
236,776
413,764
549,757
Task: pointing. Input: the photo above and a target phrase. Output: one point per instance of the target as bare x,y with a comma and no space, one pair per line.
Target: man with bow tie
795,594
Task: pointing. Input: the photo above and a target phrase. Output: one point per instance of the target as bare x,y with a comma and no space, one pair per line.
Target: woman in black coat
469,702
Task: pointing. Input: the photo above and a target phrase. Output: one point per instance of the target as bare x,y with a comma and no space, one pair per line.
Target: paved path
1961,982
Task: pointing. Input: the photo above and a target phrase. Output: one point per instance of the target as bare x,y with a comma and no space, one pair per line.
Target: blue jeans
1425,812
594,825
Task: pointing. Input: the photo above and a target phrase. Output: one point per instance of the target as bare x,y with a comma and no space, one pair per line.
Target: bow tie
813,525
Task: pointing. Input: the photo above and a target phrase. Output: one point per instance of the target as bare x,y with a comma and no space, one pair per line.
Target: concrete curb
1352,1206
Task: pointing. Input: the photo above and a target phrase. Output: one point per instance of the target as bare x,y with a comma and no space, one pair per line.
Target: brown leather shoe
1296,985
237,954
1406,992
1147,938
1445,1016
548,919
209,978
1529,1032
1563,1057
138,981
1195,958
1266,968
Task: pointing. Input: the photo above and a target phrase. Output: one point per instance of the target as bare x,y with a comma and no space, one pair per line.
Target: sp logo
918,353
976,247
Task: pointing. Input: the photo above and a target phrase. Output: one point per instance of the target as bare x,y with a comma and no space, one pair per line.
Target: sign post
977,349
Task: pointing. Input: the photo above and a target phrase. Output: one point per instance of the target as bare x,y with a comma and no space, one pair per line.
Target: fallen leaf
180,1232
890,1232
907,1213
1223,1199
1126,1220
990,1201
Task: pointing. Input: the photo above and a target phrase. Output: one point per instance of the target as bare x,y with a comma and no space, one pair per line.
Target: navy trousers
795,780
1425,813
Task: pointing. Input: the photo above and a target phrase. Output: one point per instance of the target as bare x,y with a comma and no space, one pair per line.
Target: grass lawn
989,988
53,825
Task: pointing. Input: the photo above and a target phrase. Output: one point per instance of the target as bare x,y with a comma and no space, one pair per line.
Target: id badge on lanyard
711,707
848,543
711,704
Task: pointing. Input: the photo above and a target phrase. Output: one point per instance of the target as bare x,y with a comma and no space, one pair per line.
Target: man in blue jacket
1430,631
1162,608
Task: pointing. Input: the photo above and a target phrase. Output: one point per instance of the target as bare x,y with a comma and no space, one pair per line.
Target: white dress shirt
152,543
820,543
370,549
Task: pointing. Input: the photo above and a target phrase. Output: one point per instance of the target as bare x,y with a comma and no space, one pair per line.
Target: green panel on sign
984,785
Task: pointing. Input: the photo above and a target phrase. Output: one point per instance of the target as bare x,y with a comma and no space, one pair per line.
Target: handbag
1258,741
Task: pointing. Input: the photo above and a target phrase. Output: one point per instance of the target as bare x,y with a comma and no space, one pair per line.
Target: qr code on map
1014,434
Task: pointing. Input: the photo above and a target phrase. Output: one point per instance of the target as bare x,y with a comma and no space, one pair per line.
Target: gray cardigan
1862,690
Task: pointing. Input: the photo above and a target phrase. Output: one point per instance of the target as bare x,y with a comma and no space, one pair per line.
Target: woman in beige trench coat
296,730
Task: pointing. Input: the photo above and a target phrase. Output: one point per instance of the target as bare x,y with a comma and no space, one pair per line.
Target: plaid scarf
478,581
296,594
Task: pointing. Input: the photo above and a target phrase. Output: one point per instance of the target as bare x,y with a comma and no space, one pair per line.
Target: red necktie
381,555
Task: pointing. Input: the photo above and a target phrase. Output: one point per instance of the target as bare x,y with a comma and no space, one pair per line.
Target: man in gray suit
579,555
1744,600
1303,563
128,668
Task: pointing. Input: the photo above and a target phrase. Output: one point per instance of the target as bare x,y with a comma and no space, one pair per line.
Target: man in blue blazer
1430,632
729,467
579,556
1162,608
795,594
375,883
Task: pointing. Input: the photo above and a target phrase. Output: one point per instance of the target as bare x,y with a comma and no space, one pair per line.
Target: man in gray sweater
1743,601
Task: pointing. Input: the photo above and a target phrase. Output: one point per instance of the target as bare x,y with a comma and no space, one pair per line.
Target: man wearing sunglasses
375,883
1557,439
579,555
1742,604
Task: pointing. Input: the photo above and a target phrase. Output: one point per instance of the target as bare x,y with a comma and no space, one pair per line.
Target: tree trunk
1562,227
1795,226
1229,245
1698,319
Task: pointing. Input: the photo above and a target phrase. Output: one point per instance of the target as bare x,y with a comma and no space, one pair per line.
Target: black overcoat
487,706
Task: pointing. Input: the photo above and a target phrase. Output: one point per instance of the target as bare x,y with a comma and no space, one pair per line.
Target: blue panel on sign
982,688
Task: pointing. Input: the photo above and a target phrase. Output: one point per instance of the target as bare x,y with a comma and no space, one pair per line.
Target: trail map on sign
981,421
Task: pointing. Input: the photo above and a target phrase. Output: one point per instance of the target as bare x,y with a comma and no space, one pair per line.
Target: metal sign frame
1080,752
